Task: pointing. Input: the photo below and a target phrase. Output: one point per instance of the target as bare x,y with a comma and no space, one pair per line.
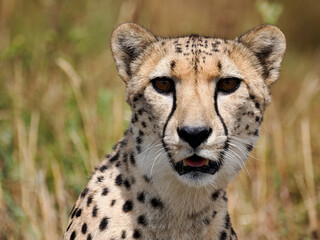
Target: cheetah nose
194,135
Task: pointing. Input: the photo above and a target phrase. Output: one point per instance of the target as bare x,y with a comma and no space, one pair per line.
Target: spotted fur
137,192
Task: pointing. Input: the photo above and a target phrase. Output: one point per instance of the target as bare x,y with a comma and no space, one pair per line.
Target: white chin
196,179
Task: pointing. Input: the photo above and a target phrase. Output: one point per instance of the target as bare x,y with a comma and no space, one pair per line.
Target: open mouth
196,163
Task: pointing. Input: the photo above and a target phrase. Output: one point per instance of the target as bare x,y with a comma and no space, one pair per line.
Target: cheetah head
197,102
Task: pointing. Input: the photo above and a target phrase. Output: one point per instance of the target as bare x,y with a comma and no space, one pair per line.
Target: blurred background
62,107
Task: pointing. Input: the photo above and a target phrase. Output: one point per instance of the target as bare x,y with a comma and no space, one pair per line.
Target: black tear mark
218,113
263,56
174,105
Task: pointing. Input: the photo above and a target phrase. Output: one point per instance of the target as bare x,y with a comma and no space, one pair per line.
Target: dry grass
62,107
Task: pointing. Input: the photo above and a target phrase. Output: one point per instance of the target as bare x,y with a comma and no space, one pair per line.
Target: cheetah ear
268,44
128,41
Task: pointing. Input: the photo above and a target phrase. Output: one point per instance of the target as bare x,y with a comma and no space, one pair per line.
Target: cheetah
197,105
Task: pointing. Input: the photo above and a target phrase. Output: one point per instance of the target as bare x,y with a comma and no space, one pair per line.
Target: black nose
194,135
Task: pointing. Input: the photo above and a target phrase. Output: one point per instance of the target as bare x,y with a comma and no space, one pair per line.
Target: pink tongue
198,163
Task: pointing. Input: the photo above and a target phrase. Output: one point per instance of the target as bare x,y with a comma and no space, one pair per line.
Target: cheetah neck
171,201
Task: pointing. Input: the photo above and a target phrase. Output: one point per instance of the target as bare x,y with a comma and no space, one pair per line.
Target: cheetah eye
228,85
163,84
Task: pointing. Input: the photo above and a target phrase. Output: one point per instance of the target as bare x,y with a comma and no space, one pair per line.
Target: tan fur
136,193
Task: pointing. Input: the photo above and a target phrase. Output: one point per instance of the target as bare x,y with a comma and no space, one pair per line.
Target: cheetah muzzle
197,106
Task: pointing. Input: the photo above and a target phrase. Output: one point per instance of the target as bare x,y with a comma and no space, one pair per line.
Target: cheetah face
199,101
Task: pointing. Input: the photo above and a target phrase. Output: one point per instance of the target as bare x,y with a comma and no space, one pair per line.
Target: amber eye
163,84
228,85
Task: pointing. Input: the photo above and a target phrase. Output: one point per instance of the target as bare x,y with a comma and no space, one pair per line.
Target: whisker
242,163
154,161
243,149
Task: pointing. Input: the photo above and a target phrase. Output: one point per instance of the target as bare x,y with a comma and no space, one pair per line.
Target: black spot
113,202
156,203
215,195
69,226
219,65
141,197
257,104
138,148
78,214
249,148
115,146
224,196
256,132
73,235
89,201
127,206
136,234
127,184
103,168
233,233
123,234
114,158
89,236
140,111
132,159
227,221
134,118
214,213
118,164
84,192
139,140
146,178
95,211
74,212
206,221
141,133
142,220
100,178
250,113
118,180
103,224
84,228
257,119
252,97
105,191
223,235
143,124
172,65
178,50
124,156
